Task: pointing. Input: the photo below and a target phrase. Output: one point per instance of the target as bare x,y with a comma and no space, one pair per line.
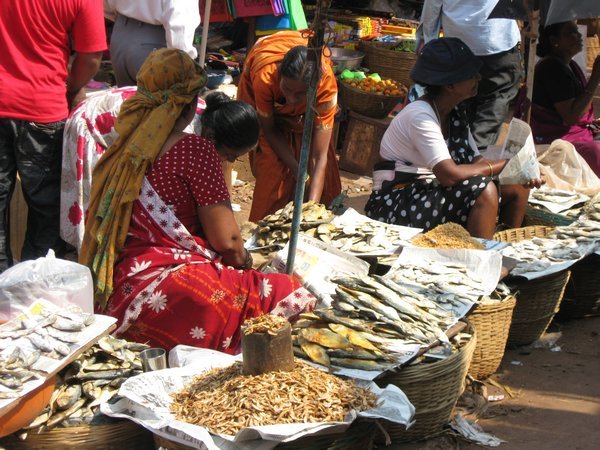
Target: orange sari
259,86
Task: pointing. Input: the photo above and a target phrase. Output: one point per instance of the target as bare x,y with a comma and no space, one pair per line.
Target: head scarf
167,81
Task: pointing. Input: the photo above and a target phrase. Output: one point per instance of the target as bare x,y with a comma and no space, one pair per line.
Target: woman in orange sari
275,81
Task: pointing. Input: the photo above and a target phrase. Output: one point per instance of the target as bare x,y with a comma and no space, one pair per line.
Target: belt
132,21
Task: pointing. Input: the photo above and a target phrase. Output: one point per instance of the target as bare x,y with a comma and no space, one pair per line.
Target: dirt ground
556,403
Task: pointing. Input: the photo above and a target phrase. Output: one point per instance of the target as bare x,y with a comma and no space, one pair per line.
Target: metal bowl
345,58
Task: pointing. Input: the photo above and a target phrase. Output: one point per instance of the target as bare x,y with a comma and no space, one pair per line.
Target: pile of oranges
375,86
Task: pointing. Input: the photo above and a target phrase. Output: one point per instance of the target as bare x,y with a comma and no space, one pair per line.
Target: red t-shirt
35,38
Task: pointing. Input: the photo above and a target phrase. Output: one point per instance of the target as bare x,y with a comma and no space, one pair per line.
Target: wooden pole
534,22
205,26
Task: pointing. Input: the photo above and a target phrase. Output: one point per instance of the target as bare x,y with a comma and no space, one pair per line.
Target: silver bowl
345,58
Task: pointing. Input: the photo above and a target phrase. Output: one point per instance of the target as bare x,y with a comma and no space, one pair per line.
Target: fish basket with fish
582,294
72,416
491,319
433,388
538,300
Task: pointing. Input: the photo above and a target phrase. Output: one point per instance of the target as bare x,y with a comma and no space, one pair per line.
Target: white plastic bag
58,281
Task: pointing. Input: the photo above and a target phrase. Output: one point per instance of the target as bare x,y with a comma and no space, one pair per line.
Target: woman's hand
535,183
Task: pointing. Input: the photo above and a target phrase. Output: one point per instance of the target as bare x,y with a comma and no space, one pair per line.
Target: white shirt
414,140
467,20
179,18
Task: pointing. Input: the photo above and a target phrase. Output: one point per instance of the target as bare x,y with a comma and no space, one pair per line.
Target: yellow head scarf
167,81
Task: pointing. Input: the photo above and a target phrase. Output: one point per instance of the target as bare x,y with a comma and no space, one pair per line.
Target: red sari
170,288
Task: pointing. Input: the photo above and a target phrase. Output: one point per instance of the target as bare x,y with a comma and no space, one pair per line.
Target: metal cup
153,359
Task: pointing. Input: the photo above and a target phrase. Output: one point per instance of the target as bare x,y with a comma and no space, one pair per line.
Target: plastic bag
519,149
58,281
565,169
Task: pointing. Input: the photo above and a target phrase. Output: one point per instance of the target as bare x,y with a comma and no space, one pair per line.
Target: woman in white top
432,172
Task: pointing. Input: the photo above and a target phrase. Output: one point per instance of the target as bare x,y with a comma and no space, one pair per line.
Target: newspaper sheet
17,338
519,149
147,397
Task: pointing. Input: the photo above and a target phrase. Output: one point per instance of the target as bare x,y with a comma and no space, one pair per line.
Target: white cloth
467,20
179,18
415,141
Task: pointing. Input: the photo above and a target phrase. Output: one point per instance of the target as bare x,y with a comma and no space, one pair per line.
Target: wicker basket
368,104
582,295
433,389
537,300
388,63
491,321
122,434
593,50
536,216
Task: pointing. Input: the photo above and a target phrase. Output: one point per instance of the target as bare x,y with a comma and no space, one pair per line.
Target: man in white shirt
495,42
144,25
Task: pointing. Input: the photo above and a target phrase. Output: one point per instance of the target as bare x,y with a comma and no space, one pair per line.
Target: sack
58,281
565,169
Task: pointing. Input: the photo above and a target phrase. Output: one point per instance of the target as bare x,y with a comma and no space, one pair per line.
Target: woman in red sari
182,274
275,81
562,106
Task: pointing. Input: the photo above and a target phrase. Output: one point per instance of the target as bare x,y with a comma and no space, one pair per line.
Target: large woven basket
122,434
491,321
368,104
582,295
388,63
537,300
433,389
593,50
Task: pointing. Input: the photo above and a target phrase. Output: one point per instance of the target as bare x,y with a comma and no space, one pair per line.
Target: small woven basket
537,300
593,49
491,321
368,104
582,295
388,63
122,434
433,389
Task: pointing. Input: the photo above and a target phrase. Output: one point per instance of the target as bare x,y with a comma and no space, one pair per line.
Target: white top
414,140
179,18
468,21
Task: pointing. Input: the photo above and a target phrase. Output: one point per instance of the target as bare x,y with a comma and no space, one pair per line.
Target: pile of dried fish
265,323
447,235
16,369
273,232
592,208
362,237
93,378
369,318
450,278
52,333
224,400
572,201
567,243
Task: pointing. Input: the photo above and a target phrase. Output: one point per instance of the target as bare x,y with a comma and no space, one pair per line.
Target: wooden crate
361,143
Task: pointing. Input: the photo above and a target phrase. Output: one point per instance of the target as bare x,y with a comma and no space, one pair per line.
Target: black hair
295,65
432,90
233,123
544,47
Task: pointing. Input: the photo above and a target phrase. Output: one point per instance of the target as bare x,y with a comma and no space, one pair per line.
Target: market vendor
161,239
432,172
275,81
562,106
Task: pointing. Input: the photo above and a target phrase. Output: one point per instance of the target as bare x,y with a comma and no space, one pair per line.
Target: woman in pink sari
181,272
562,97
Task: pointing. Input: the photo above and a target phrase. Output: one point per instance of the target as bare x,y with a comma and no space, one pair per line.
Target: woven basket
388,63
593,50
536,216
433,389
582,295
491,322
537,300
368,104
122,434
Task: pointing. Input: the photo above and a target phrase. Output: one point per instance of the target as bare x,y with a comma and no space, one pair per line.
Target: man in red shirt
37,90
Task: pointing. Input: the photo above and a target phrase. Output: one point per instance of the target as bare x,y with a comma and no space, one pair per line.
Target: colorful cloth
409,200
168,81
89,131
259,86
170,287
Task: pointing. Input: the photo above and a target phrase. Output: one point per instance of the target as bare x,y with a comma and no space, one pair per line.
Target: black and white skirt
426,203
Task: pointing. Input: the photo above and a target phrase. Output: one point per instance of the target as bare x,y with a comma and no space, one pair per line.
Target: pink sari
170,288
